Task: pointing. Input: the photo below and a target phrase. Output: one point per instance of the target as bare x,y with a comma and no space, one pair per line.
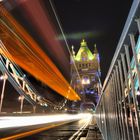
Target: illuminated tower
85,73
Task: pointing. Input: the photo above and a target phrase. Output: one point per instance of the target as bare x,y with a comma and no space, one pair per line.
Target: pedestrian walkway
93,131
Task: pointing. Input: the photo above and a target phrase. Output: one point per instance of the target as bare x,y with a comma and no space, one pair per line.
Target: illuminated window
85,80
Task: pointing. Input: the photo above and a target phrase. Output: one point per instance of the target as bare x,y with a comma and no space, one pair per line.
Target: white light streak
19,121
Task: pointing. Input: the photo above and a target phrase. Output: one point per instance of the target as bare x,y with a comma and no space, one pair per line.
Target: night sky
97,21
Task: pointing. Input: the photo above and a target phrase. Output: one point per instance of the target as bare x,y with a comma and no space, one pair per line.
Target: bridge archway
87,107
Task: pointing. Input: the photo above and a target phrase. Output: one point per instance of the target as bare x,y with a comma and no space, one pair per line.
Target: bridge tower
85,73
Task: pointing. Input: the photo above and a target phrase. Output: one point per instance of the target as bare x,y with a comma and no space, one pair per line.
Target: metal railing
118,111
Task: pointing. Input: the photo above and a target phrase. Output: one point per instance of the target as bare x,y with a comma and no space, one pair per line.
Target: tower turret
73,52
95,49
83,43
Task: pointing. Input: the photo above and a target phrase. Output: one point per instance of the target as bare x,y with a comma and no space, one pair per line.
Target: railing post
117,110
138,24
109,117
113,108
120,102
106,132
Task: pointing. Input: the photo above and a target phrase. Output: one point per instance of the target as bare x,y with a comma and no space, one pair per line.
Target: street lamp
4,78
21,99
34,108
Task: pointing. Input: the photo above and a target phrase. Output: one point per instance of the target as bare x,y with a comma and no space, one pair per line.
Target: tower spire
83,43
73,52
95,49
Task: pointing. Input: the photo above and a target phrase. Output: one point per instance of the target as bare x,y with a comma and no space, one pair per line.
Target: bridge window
85,80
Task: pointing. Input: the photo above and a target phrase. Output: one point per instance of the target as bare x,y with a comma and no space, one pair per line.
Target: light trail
40,19
25,52
20,121
35,131
66,42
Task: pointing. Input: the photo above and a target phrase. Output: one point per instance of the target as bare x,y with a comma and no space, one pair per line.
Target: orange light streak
31,132
25,52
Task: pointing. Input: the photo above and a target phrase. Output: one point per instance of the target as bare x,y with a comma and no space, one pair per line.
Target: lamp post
34,108
4,78
21,99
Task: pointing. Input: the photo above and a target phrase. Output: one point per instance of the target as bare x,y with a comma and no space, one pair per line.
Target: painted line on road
25,134
79,132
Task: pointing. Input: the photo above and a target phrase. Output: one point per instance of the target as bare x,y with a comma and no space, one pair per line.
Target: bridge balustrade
118,110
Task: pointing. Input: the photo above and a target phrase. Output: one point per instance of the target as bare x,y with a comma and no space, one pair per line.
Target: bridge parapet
118,111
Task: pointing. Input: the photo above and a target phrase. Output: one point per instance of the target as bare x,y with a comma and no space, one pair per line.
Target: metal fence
118,111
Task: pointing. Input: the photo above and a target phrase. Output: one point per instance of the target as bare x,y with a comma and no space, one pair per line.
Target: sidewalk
93,132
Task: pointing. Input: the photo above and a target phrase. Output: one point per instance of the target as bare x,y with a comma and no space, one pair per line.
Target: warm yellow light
85,81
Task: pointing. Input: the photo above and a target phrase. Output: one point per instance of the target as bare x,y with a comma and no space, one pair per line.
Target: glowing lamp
2,77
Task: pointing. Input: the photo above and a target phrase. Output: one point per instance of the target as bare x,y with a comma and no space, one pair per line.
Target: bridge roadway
50,127
71,131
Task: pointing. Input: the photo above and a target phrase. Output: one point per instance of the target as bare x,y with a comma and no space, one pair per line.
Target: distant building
85,73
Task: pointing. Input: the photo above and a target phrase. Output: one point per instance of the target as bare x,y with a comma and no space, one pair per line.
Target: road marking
80,131
25,134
